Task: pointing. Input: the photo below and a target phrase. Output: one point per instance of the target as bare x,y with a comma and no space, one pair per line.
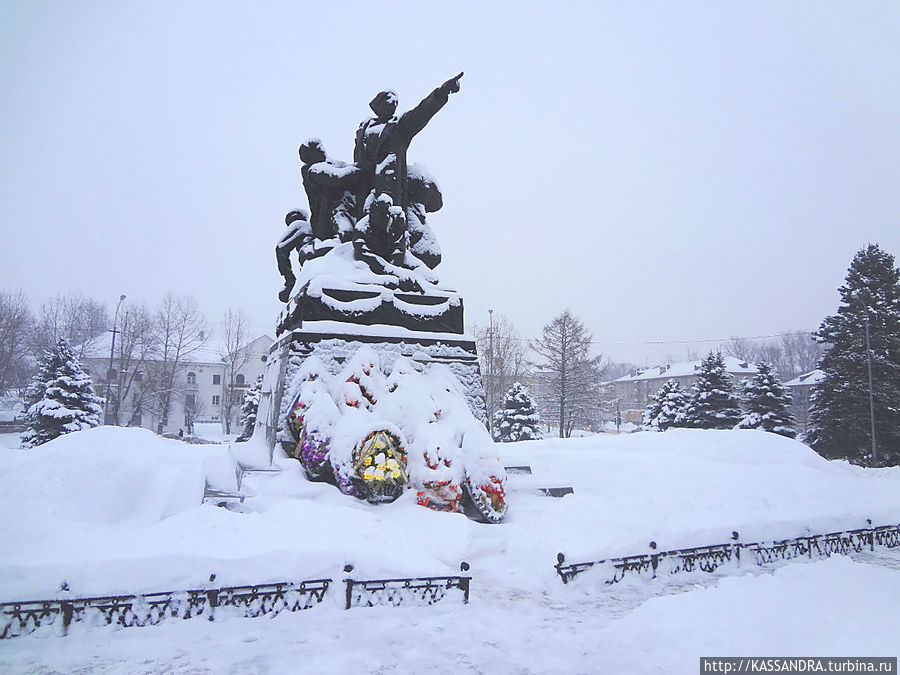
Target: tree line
854,412
152,344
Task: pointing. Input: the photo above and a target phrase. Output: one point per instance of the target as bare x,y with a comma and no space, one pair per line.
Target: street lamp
112,348
865,309
491,369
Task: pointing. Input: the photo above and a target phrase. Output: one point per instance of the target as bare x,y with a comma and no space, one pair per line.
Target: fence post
212,596
560,559
464,581
871,534
654,558
736,546
347,569
65,607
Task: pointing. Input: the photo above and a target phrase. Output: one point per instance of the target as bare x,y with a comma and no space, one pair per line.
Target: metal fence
396,592
21,618
710,558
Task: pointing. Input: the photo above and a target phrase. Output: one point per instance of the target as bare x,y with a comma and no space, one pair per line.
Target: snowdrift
112,510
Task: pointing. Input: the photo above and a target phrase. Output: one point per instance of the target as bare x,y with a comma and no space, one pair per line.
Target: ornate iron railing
710,558
395,592
21,618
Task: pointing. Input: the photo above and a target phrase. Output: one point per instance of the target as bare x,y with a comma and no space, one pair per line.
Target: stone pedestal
332,323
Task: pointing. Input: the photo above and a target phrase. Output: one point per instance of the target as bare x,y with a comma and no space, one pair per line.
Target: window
239,380
192,378
217,379
139,376
136,419
112,374
189,401
216,399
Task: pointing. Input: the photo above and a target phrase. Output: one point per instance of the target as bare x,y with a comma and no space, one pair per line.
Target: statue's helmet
312,151
384,105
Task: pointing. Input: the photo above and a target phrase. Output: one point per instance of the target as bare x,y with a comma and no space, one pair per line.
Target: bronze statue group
378,203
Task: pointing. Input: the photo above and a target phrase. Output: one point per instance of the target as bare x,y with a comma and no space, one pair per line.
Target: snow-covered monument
372,382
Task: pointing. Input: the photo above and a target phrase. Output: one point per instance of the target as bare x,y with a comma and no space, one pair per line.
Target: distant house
199,391
801,393
634,390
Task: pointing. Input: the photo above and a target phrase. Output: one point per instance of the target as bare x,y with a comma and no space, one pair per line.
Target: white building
634,390
801,393
199,391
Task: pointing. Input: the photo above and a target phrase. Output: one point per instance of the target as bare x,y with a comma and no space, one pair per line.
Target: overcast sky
669,171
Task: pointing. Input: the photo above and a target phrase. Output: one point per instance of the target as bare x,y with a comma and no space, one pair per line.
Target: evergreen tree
62,398
768,404
840,413
713,404
518,419
249,408
666,409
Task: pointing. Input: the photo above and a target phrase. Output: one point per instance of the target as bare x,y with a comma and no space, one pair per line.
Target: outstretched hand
452,85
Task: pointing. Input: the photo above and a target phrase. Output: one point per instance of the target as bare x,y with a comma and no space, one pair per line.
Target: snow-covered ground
118,510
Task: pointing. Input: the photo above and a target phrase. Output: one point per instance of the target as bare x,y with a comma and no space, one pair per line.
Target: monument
372,383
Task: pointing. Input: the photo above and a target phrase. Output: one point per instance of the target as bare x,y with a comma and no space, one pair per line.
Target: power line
684,342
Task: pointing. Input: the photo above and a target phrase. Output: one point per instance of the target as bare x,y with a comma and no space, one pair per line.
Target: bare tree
744,349
791,354
572,375
235,354
79,319
502,355
179,331
194,409
133,365
802,351
15,331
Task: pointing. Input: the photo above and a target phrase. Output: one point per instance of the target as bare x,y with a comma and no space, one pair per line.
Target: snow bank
116,510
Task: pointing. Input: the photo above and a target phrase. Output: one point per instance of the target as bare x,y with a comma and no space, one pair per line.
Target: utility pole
871,395
112,348
491,370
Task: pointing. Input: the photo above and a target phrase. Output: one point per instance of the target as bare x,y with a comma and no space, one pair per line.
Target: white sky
669,171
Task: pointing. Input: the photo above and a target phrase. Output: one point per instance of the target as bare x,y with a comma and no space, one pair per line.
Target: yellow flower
368,461
368,475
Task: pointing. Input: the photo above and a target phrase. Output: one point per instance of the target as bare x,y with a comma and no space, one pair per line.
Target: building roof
807,379
733,366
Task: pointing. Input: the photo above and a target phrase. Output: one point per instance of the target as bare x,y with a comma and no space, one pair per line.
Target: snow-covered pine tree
667,407
68,402
768,405
249,408
839,415
47,367
713,404
518,419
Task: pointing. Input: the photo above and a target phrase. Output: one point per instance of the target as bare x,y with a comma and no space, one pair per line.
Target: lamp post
491,369
112,348
865,309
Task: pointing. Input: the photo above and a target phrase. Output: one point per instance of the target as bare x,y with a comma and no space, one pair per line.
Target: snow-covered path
836,607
